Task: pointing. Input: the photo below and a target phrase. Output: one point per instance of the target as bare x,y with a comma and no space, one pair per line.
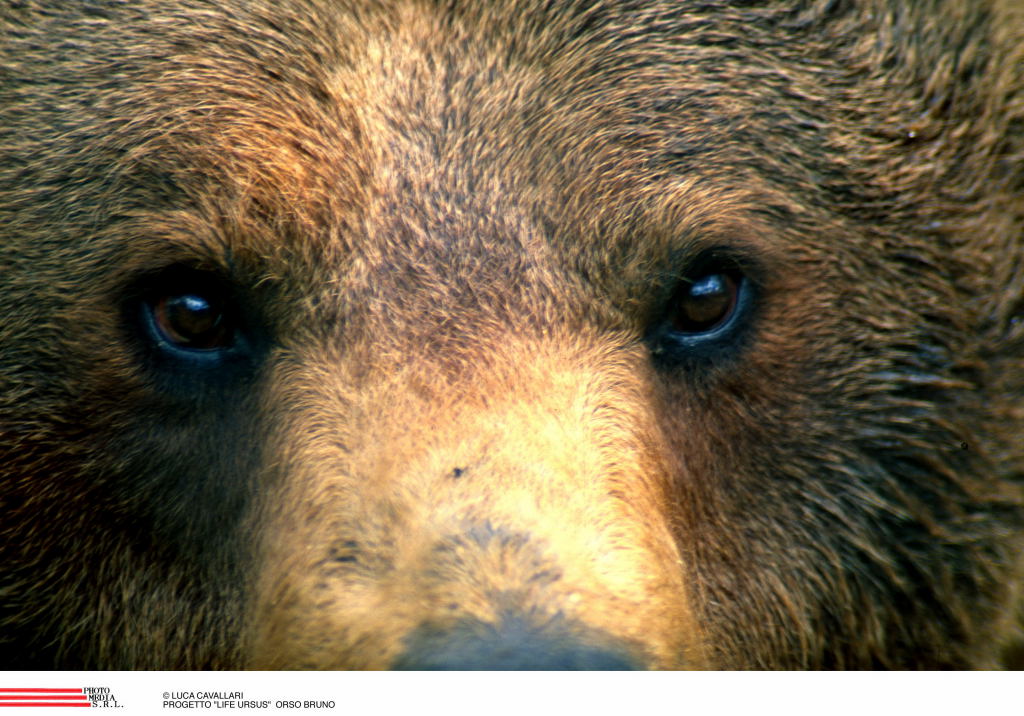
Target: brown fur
453,230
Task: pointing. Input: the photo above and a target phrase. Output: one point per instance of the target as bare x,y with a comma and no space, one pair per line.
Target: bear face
339,335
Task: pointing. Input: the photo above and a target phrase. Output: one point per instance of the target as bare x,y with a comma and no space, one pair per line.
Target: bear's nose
514,644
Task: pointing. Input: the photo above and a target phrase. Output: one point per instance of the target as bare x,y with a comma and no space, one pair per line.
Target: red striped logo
43,697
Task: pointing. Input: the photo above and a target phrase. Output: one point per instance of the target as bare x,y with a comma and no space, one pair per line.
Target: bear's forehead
409,150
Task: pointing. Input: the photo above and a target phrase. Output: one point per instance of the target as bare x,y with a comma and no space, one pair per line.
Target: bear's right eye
190,315
192,321
706,303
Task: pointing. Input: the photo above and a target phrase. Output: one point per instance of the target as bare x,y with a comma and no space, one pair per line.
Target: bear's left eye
193,321
705,303
707,314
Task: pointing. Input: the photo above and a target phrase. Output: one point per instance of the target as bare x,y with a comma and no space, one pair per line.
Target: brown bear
497,335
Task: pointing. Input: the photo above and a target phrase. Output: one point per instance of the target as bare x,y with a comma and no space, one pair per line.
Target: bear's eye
705,302
706,315
189,314
193,328
192,320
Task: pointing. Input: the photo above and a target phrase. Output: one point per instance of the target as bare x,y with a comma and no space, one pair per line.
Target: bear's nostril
513,645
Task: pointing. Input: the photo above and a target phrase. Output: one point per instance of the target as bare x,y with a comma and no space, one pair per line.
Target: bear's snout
550,543
516,642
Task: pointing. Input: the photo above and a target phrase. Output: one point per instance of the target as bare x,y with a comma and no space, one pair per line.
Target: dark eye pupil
705,303
191,321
